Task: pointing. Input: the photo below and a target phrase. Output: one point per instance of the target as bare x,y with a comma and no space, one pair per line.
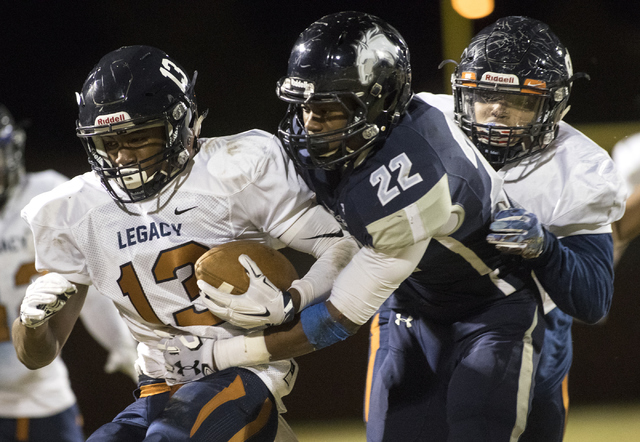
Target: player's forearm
317,327
38,347
577,273
35,347
308,332
287,341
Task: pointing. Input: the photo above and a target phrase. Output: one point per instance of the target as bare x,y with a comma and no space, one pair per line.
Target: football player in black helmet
356,78
12,141
135,226
512,87
452,356
157,128
510,94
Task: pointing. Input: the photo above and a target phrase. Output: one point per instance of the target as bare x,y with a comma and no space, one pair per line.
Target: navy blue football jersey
427,181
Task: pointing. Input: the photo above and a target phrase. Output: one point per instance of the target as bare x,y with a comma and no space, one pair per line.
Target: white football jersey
572,186
24,392
141,255
46,391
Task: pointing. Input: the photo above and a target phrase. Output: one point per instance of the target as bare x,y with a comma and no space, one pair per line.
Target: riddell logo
500,78
112,118
299,83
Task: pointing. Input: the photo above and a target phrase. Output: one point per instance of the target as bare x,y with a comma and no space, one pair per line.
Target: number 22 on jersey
382,177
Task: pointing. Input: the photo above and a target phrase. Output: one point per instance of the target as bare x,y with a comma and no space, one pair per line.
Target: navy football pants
232,404
548,415
469,380
62,427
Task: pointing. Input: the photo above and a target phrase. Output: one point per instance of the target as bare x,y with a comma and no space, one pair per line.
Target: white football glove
44,298
261,305
186,357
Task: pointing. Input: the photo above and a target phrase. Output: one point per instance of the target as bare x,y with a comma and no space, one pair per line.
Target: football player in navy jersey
510,93
456,340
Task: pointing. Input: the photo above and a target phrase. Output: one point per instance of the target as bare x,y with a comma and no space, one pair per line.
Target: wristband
320,327
241,350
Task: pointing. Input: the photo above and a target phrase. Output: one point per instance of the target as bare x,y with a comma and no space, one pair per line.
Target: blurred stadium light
473,9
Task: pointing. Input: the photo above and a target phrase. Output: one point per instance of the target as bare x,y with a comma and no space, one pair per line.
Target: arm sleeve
370,278
318,234
577,273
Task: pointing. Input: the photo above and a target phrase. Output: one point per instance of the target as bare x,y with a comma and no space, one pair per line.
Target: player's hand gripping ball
245,283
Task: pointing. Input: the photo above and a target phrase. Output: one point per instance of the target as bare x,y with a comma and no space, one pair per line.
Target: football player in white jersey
157,198
510,93
39,405
626,155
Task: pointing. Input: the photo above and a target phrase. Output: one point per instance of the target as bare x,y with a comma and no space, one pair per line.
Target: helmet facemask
143,179
330,149
508,124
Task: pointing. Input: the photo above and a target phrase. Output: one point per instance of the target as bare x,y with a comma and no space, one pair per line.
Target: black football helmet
353,59
134,88
520,61
12,141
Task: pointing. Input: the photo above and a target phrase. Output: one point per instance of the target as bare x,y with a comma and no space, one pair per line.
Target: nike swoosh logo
338,234
180,212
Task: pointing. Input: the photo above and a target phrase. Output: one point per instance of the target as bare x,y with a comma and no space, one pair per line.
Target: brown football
219,266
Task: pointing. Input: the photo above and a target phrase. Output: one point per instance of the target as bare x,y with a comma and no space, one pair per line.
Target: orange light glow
473,9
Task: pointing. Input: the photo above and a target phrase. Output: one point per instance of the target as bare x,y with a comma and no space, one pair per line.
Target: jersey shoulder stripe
416,222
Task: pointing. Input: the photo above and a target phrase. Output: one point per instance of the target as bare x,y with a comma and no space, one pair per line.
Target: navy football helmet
130,89
12,141
519,62
354,60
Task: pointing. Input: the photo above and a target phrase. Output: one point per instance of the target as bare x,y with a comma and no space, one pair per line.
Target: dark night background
240,49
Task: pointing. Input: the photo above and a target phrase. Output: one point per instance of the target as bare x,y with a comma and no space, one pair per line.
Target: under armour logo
407,321
193,367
